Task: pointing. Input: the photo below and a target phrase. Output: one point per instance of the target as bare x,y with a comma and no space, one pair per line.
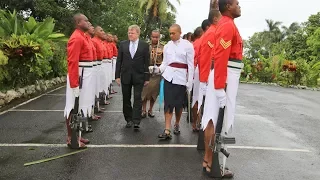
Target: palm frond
162,10
171,7
150,4
143,3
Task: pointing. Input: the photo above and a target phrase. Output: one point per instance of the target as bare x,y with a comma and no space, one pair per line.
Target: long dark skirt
174,97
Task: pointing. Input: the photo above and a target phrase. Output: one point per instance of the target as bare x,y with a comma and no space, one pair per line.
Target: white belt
107,61
86,64
238,65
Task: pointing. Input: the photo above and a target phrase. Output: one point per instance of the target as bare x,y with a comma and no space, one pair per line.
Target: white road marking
55,94
158,146
269,148
26,102
48,110
34,110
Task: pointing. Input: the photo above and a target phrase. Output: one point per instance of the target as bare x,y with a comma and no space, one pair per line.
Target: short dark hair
155,31
223,5
193,38
75,18
184,36
197,32
205,23
212,14
189,34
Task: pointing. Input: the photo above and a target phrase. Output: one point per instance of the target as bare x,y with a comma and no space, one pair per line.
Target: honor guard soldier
114,59
177,70
108,64
206,48
94,76
104,76
195,90
224,77
79,58
151,91
97,41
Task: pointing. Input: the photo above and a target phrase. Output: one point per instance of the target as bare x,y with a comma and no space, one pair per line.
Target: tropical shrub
27,50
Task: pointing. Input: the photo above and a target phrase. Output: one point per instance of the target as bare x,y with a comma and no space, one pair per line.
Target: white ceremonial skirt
106,67
100,80
109,72
103,77
211,106
85,98
114,62
201,94
97,80
196,83
94,82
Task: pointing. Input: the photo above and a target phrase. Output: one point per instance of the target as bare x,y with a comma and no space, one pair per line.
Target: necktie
132,50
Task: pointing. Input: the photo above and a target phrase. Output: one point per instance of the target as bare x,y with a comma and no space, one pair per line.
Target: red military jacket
114,49
78,49
228,46
196,46
99,47
109,46
93,48
108,52
105,50
95,57
206,47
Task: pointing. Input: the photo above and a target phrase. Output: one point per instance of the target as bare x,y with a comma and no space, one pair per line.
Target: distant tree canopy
113,16
287,54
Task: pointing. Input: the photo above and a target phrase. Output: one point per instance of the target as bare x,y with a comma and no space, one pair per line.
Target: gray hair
134,27
156,31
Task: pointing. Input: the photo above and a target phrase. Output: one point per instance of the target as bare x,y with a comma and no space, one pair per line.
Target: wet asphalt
276,129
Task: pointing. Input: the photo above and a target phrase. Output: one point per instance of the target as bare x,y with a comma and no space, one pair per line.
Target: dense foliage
113,16
30,50
287,55
27,50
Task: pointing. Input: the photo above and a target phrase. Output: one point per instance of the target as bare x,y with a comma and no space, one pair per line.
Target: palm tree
274,31
294,27
156,11
273,34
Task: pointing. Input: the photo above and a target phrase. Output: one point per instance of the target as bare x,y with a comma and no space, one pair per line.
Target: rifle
77,118
219,147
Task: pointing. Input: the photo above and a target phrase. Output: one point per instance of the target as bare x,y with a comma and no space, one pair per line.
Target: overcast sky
254,12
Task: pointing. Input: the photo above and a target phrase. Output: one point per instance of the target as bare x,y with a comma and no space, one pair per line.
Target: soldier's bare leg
195,117
69,133
208,134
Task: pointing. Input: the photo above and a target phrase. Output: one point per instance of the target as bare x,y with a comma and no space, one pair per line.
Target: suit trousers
132,113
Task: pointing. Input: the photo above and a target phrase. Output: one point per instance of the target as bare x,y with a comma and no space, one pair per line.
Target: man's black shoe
129,124
136,126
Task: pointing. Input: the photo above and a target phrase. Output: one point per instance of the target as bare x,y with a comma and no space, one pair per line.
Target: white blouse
180,51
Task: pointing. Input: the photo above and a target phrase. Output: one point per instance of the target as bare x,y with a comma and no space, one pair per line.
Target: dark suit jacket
136,68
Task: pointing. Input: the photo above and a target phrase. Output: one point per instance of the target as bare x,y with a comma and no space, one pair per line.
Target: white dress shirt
180,51
135,48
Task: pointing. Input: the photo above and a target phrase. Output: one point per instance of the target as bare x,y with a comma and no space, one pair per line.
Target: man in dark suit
132,68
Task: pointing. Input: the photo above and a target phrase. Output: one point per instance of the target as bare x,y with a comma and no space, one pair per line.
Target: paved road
277,133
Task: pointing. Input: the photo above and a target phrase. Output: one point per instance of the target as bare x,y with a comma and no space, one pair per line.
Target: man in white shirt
177,70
